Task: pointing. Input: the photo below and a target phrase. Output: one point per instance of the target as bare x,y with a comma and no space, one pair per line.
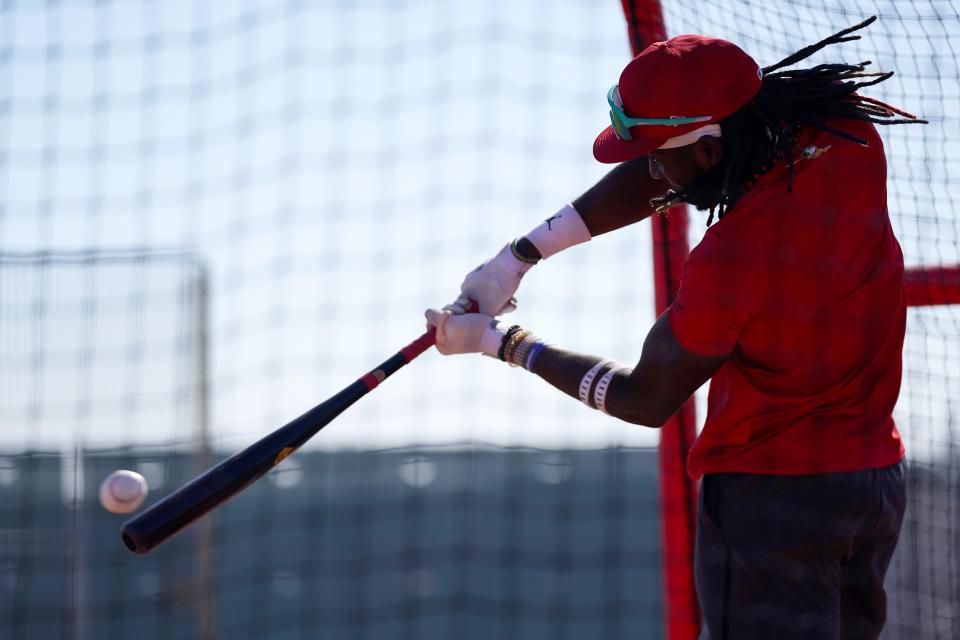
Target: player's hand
465,332
493,284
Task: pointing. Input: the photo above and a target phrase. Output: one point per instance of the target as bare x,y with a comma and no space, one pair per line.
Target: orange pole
932,285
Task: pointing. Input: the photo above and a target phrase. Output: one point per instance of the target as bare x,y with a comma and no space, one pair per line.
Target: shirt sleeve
715,299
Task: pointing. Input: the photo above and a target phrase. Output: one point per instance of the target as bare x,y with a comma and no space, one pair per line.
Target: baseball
123,491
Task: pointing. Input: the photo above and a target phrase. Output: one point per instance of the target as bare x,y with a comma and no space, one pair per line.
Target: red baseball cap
689,76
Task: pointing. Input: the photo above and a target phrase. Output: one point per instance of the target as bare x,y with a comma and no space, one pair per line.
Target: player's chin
704,193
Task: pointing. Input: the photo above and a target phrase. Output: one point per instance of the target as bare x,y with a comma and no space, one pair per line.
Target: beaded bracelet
506,338
534,352
519,356
512,345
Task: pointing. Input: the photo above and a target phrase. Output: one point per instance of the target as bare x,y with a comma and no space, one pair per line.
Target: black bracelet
519,255
506,338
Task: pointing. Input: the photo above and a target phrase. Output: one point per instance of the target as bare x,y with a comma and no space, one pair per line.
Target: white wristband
587,380
563,229
600,393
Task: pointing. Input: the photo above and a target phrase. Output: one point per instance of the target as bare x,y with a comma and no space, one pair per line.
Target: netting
338,168
104,349
103,367
213,215
429,542
324,171
916,40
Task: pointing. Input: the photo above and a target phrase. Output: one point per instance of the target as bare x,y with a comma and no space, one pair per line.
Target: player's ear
708,152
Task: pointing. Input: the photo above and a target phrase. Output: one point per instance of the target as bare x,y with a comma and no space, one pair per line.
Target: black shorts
796,556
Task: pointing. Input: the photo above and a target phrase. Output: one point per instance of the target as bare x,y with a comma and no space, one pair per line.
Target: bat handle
420,345
428,339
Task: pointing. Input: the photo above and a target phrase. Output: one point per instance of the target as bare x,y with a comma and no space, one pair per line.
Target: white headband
692,136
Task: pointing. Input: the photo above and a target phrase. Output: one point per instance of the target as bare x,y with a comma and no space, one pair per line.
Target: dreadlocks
765,130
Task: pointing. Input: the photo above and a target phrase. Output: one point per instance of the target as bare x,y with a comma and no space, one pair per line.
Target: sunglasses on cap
622,122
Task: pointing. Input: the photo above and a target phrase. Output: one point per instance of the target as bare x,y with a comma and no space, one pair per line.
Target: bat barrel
233,475
179,509
206,492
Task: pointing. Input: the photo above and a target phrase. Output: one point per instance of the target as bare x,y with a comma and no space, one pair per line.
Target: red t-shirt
805,291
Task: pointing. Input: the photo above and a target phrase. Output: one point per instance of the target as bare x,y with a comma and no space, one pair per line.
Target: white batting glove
466,333
493,284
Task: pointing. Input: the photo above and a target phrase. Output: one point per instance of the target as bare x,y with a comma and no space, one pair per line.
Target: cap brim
609,148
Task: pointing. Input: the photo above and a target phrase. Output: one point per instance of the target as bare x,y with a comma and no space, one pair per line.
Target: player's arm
647,394
620,198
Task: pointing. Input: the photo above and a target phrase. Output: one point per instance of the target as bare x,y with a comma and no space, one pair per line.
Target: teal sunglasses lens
618,127
616,111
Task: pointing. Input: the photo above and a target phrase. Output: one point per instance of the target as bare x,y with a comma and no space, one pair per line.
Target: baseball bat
233,475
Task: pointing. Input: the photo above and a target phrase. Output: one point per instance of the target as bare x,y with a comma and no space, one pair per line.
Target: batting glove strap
493,338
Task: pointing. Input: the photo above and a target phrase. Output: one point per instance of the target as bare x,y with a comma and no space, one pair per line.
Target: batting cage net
215,215
915,40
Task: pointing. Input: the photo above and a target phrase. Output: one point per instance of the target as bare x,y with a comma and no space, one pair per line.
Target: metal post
203,599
